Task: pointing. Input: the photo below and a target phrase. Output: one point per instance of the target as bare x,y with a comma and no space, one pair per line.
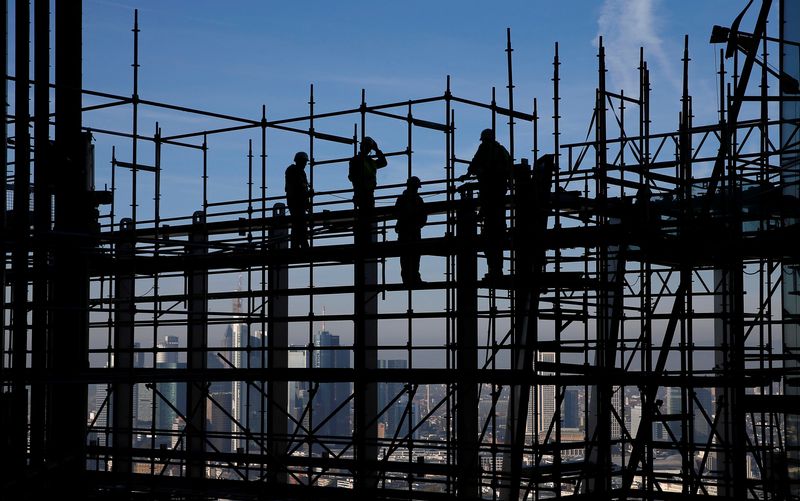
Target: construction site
641,341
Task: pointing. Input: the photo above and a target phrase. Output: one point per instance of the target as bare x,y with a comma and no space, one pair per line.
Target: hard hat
487,135
413,181
368,141
301,156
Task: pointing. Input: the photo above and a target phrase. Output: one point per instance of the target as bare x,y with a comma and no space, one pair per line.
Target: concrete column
468,481
121,412
197,347
365,355
278,344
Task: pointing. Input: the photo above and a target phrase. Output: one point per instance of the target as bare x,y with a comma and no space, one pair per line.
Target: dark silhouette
491,165
363,174
411,217
298,198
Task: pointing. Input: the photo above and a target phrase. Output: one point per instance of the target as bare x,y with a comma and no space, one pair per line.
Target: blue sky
234,57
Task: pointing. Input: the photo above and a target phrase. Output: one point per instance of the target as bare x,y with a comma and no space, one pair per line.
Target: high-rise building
330,396
253,397
571,416
674,406
138,361
102,405
219,423
393,416
701,426
298,390
545,405
636,419
173,394
616,403
218,403
236,340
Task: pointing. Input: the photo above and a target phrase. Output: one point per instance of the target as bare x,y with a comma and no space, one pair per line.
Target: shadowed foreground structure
642,343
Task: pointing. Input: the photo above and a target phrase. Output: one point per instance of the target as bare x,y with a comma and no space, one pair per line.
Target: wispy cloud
626,25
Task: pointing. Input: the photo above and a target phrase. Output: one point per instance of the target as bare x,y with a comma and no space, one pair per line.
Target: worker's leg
494,235
297,216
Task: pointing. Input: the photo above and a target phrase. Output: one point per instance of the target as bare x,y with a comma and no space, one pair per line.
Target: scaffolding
641,345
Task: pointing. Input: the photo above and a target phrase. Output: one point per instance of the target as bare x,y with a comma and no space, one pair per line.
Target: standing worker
492,166
363,174
298,198
411,217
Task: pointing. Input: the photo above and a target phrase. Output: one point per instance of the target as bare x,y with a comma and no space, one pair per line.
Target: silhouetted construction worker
492,166
363,174
298,198
411,217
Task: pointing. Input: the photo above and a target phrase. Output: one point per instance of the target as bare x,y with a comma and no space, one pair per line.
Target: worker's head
487,135
368,144
413,183
301,158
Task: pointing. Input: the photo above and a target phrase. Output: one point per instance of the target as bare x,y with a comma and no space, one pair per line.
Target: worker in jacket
298,198
362,172
411,217
492,167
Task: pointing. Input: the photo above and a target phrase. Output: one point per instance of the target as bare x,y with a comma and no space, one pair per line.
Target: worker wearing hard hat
411,217
363,174
298,198
491,165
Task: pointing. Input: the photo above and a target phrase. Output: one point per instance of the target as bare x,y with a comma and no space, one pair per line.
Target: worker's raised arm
381,160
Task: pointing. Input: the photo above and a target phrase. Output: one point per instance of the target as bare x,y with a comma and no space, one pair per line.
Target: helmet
413,182
301,156
369,142
487,135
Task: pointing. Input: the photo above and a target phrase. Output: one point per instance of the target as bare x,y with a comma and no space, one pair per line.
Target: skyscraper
636,419
138,361
298,394
236,338
545,396
393,417
571,411
219,402
172,392
701,426
102,405
674,406
616,403
331,395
